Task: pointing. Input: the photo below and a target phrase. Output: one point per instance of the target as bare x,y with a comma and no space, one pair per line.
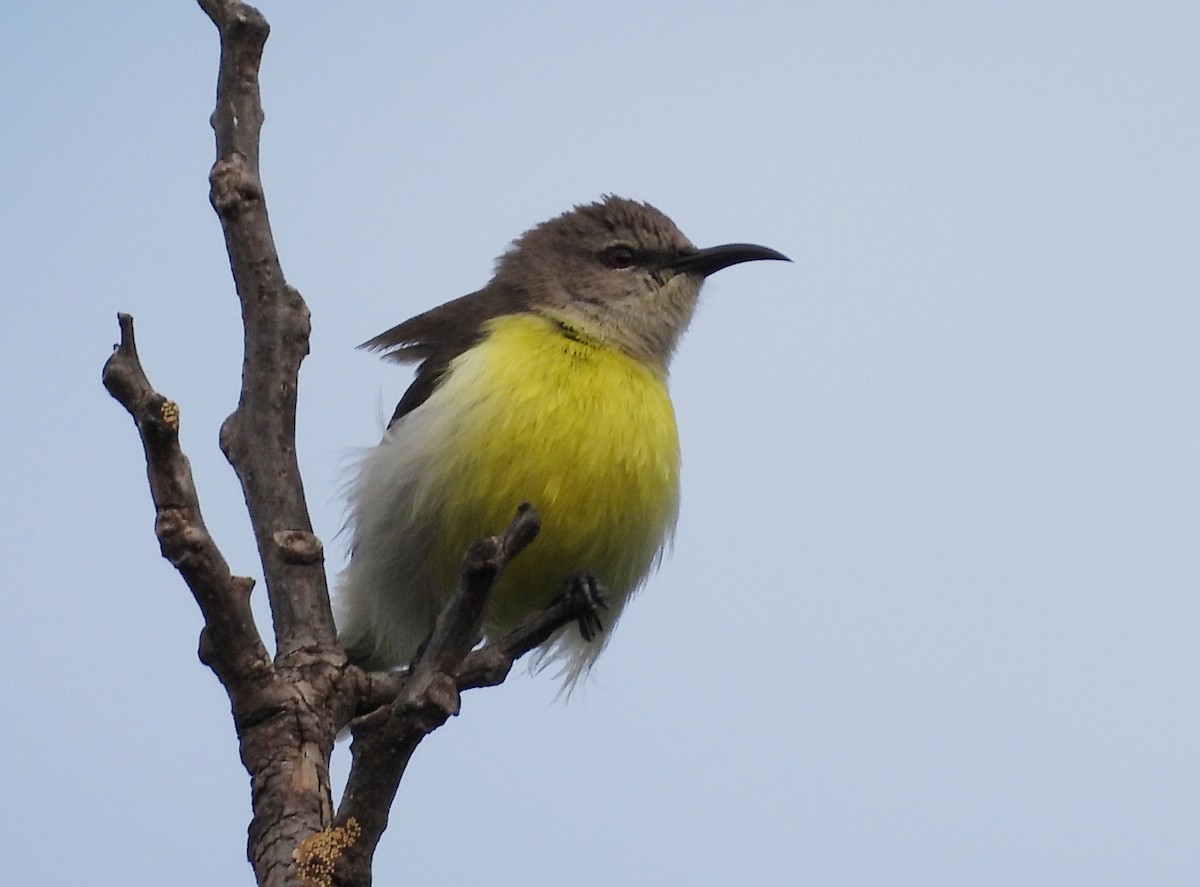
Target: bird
546,386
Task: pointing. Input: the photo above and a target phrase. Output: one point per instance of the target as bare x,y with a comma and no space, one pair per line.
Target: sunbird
548,386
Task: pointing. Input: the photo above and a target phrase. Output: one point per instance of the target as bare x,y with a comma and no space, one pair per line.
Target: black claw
586,592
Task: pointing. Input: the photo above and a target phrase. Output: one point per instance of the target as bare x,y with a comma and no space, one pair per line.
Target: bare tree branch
385,739
289,709
288,754
229,644
259,438
267,710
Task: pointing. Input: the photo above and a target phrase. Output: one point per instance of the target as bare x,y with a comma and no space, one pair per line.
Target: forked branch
289,708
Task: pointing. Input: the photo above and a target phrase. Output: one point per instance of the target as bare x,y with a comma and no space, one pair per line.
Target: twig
385,739
229,643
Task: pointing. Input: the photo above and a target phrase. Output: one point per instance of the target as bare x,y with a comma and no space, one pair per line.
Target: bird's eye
619,256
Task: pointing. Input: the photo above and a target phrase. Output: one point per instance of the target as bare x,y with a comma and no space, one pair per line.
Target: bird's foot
586,592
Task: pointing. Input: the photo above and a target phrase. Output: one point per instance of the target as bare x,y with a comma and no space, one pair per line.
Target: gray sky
932,614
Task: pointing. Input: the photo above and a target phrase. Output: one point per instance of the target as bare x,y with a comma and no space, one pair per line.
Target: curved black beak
708,261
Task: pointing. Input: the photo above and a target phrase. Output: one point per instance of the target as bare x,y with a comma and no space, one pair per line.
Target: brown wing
441,334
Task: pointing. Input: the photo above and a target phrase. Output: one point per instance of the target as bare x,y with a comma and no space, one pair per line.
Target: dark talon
586,592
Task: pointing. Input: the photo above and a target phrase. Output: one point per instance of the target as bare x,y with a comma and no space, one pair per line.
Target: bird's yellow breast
586,433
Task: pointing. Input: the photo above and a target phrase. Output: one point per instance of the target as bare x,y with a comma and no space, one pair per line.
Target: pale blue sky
932,615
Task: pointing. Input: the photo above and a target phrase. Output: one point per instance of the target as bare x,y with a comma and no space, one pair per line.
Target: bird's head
620,272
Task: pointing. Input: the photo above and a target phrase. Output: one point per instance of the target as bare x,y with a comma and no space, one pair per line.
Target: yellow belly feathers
584,432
